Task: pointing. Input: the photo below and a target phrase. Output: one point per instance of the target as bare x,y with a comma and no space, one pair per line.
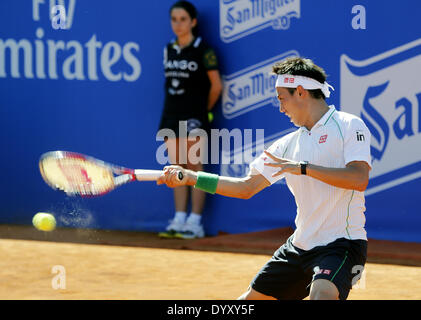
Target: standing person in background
192,87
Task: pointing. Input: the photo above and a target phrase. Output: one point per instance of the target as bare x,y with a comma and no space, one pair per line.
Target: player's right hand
170,176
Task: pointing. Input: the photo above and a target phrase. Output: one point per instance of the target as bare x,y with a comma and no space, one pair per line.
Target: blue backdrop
97,88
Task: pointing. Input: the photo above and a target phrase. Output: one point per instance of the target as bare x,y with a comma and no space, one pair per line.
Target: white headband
290,81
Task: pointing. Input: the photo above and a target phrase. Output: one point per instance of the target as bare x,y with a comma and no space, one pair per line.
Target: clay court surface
121,265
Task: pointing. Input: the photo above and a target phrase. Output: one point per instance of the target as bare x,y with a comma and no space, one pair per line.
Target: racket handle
152,175
147,175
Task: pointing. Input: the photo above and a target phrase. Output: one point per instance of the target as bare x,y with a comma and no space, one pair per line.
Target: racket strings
78,179
78,176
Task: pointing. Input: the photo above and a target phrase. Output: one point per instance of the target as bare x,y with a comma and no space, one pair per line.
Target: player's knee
323,290
246,295
322,294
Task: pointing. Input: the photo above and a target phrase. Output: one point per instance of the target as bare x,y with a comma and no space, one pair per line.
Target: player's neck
316,111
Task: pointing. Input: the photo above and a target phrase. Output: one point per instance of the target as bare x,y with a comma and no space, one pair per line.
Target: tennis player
326,164
192,87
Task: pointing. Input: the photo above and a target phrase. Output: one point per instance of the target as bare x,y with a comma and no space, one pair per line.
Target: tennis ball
44,221
210,116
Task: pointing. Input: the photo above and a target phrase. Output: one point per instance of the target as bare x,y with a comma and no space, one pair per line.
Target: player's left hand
285,165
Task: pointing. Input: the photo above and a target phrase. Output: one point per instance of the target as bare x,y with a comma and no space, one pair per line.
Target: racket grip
147,175
152,175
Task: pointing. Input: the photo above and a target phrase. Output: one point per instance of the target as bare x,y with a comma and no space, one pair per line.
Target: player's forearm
354,176
227,186
346,178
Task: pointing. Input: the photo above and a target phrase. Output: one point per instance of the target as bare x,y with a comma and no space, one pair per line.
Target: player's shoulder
350,124
347,119
290,135
285,139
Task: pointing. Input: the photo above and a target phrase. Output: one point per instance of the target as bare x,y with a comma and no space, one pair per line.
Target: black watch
303,165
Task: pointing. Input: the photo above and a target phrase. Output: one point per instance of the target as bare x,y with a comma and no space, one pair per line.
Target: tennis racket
80,175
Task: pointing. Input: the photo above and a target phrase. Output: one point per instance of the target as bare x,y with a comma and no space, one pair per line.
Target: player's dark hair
302,67
190,9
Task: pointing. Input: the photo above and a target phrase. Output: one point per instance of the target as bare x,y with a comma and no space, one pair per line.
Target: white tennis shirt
324,212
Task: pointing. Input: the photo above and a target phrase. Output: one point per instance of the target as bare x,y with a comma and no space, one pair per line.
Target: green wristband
207,182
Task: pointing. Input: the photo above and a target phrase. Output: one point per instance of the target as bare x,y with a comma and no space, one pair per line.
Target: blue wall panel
111,109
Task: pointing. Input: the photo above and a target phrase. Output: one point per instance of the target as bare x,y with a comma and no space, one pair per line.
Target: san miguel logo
251,88
239,18
385,91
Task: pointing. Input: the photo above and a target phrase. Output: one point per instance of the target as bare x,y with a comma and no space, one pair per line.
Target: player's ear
301,91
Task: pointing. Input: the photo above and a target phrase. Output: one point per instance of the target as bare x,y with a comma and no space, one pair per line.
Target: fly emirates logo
45,58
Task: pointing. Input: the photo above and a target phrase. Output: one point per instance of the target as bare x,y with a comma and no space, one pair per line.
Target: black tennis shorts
290,272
